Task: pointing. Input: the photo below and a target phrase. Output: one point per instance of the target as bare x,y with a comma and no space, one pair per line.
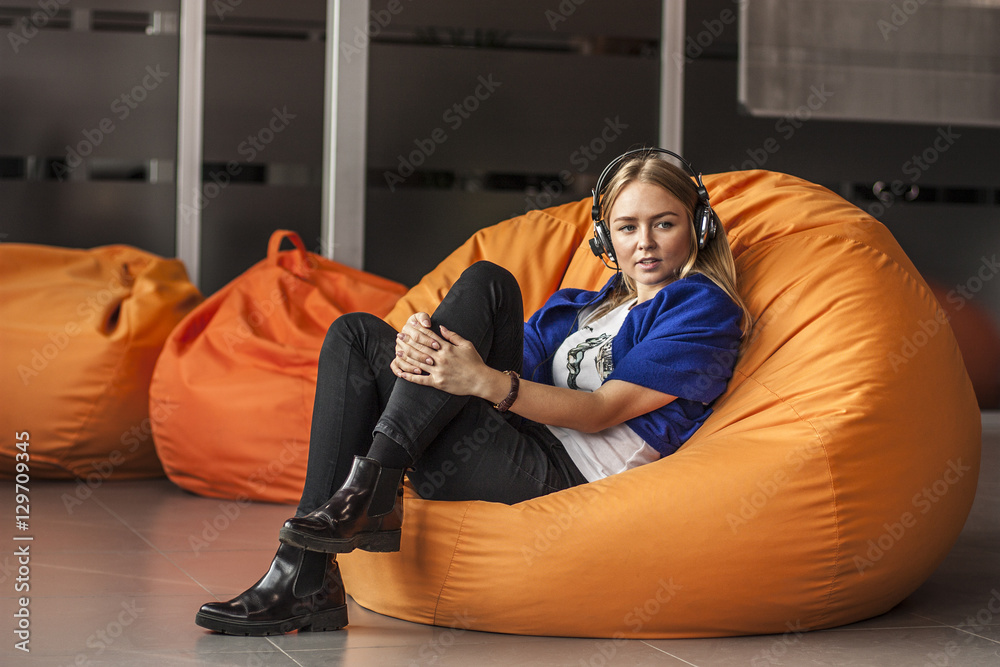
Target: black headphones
705,221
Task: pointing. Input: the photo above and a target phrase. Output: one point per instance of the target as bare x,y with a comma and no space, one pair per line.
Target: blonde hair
715,261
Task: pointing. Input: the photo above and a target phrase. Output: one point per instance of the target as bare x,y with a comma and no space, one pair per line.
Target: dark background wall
507,106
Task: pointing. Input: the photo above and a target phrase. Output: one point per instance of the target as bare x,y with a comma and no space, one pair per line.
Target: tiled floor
116,579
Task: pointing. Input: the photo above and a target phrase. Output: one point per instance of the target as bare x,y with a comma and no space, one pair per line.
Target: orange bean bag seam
454,554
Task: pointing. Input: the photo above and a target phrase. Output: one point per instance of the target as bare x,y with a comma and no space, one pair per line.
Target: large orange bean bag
240,373
832,478
80,331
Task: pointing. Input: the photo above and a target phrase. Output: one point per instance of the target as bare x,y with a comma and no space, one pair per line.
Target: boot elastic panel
311,576
386,489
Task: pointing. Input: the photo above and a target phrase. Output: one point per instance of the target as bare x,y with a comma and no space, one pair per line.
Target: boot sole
380,542
333,619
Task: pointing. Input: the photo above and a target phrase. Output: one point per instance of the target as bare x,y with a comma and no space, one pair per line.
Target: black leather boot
302,591
366,513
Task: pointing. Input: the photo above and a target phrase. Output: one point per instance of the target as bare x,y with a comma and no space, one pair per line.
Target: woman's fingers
451,336
412,372
421,319
415,366
402,368
419,338
414,352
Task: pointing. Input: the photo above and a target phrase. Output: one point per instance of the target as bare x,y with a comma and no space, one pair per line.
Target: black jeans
463,448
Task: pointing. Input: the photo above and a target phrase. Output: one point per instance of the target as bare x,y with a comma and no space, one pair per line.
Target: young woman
611,380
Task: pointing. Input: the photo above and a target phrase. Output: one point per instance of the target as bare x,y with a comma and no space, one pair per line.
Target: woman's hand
411,340
447,362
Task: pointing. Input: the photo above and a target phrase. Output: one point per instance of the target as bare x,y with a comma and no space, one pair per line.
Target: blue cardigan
682,342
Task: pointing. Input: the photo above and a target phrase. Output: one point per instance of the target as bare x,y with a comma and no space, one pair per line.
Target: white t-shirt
582,362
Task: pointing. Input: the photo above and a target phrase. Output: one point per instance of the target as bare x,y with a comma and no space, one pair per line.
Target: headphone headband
613,167
705,221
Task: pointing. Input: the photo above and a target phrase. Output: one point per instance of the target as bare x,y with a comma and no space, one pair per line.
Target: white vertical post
190,107
672,76
344,133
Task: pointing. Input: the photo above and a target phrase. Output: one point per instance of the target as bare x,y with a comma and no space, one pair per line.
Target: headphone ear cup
706,225
713,224
603,238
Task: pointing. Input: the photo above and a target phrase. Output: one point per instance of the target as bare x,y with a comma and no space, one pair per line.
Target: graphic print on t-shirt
574,358
603,360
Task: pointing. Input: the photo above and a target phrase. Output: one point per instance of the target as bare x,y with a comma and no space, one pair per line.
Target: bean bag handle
302,265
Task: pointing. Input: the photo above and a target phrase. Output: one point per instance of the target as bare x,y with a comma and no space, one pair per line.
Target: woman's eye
626,228
665,224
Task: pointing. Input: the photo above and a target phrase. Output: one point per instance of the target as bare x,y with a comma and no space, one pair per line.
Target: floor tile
73,575
550,652
902,647
224,574
119,570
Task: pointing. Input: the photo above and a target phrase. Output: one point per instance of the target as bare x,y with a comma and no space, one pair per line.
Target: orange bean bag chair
80,331
240,374
832,478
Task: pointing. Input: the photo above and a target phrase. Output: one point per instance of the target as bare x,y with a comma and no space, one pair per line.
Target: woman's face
651,232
